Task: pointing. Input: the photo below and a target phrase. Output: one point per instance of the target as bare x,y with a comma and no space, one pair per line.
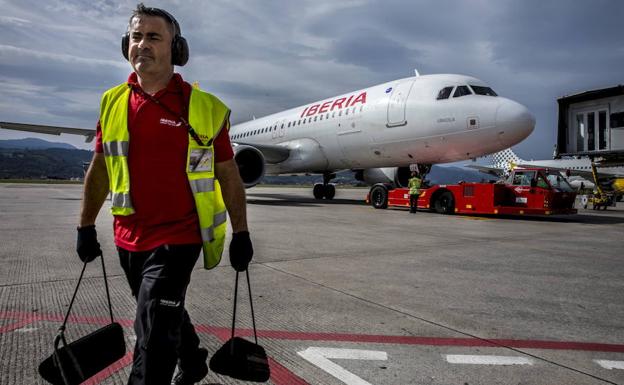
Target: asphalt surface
346,294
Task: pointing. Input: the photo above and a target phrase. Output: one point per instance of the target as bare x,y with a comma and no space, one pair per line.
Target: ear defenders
179,46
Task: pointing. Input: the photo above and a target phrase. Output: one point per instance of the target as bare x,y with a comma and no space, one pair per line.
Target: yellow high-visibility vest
207,115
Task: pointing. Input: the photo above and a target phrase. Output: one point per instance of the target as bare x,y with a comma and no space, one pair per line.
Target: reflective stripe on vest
202,185
207,115
208,232
116,148
121,200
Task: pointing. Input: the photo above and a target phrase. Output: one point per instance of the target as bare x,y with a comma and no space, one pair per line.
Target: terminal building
591,123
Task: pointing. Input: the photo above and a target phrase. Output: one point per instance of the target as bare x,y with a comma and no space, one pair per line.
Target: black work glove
241,250
87,245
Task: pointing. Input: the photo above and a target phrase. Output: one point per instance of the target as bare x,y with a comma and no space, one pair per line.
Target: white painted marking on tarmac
320,357
487,360
610,364
26,330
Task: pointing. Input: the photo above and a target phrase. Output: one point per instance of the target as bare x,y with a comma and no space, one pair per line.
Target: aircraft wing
52,130
272,153
586,174
495,171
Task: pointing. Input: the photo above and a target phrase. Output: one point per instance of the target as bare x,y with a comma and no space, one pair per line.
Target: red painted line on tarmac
20,324
110,370
224,333
72,318
221,333
439,341
280,375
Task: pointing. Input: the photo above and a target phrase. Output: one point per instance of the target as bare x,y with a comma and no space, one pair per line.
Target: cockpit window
480,90
461,91
444,93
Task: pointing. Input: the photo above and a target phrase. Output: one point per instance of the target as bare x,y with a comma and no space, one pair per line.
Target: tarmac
344,293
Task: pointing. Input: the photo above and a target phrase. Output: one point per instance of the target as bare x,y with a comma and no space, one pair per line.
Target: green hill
51,163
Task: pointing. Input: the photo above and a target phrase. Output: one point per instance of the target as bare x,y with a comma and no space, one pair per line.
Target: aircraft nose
514,122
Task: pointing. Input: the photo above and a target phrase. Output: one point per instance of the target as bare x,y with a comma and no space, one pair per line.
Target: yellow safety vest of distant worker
414,185
414,191
207,115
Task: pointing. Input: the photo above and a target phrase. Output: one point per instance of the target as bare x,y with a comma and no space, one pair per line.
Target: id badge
200,160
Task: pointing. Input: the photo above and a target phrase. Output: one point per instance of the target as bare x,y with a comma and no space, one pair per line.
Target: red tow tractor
526,191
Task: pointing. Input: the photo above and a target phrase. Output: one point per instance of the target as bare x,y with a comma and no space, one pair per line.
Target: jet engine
251,164
397,176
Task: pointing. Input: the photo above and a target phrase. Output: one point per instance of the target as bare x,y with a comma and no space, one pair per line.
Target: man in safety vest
414,191
164,153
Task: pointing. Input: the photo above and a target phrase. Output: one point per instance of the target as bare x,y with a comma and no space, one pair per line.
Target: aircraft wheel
330,191
379,197
318,191
445,204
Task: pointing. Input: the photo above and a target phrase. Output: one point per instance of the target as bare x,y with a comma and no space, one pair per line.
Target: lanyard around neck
189,128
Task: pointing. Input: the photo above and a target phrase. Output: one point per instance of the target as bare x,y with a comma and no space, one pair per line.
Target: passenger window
315,118
340,113
461,91
444,93
321,117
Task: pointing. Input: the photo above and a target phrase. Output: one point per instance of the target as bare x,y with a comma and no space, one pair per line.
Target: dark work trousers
158,280
413,202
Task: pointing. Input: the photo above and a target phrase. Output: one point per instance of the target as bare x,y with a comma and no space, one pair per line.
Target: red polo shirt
162,199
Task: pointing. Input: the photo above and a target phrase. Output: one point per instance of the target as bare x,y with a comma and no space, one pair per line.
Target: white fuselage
390,125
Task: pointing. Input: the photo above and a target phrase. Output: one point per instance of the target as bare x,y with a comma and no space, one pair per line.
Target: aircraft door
397,103
274,131
352,137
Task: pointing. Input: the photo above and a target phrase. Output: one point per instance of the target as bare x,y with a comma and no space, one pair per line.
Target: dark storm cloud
546,36
262,57
371,49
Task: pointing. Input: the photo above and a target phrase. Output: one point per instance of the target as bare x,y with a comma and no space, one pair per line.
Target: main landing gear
325,189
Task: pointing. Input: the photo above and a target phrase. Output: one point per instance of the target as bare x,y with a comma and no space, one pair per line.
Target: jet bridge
591,123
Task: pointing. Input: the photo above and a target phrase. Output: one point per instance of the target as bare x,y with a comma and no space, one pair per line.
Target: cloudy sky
260,57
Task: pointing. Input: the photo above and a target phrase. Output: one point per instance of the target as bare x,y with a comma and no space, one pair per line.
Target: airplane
378,132
578,170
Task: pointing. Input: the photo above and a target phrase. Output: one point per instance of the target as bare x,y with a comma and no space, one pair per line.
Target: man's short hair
142,10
